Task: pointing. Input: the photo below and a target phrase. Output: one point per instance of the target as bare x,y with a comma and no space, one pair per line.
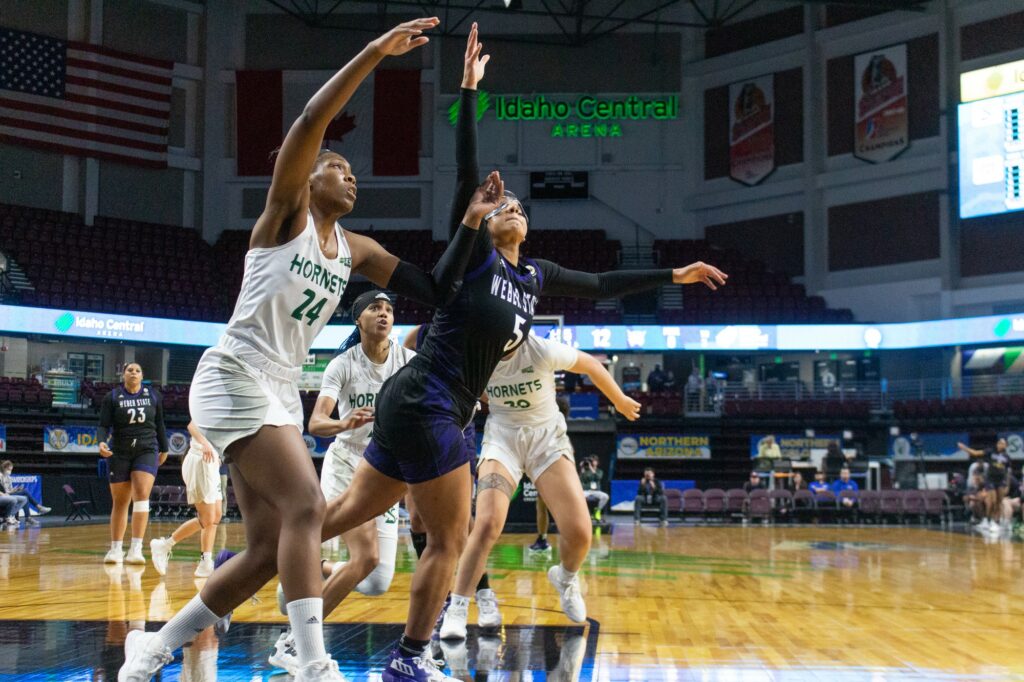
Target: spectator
843,484
7,487
591,477
974,495
656,379
834,458
1011,503
818,485
694,387
767,448
753,483
650,492
797,482
670,381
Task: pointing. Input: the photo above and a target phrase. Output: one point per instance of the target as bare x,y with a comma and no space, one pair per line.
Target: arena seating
169,271
753,293
798,408
24,393
978,409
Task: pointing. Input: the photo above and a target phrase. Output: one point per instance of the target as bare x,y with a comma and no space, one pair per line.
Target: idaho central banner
663,446
752,130
880,105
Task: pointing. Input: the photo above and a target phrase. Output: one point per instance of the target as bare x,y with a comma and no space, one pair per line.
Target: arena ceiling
571,22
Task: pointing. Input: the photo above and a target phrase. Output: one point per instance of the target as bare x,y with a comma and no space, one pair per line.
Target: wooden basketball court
682,603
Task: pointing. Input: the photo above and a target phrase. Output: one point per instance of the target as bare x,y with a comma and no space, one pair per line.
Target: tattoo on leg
496,481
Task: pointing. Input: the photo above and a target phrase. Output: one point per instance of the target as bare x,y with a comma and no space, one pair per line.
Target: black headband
364,301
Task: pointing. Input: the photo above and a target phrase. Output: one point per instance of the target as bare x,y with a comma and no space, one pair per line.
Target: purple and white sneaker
401,668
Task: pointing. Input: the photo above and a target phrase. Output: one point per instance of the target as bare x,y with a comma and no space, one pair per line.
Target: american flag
83,99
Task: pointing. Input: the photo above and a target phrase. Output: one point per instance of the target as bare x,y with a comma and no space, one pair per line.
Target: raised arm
559,281
970,451
589,365
289,188
468,174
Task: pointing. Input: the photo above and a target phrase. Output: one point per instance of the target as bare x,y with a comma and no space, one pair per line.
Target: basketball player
526,434
134,415
997,484
351,382
488,615
245,396
422,410
201,470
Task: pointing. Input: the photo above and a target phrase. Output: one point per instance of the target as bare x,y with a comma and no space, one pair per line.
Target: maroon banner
881,116
752,130
258,117
396,122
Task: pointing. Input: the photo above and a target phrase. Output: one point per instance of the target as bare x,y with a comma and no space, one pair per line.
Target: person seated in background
1011,503
845,483
818,485
591,477
656,379
753,483
797,482
650,492
834,458
8,488
767,448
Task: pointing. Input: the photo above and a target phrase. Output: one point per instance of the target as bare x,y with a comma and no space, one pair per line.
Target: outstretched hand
404,37
628,408
700,272
486,198
475,65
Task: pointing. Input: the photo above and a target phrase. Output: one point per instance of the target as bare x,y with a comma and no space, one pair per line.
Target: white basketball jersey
289,292
354,380
521,391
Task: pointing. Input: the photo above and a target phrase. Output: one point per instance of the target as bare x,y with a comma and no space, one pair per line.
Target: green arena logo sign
64,322
586,116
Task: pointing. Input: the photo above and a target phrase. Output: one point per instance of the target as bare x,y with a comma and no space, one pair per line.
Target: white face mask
510,198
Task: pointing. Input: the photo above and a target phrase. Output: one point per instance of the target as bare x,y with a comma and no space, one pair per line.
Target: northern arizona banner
880,104
3,438
752,129
70,439
794,446
929,446
663,446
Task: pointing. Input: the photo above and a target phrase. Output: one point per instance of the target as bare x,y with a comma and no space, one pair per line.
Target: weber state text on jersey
521,391
134,416
491,316
288,294
353,380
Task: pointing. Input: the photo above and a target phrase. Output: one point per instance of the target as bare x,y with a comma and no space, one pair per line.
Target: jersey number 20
313,313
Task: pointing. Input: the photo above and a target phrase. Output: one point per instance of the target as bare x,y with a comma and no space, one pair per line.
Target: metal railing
880,395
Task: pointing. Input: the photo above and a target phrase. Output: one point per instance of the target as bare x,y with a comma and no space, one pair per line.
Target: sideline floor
675,604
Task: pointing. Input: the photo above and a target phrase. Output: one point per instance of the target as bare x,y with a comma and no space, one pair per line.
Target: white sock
117,545
187,623
566,575
306,617
459,600
170,541
136,544
207,556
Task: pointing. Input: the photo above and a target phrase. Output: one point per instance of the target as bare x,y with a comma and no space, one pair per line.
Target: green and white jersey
354,381
521,390
289,292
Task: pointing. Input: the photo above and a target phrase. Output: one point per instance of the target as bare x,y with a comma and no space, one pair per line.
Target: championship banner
178,442
3,438
880,104
70,439
752,130
929,446
794,446
663,446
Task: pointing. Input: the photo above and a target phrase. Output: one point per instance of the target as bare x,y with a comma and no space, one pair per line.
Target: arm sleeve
443,283
468,176
558,281
106,419
161,428
334,378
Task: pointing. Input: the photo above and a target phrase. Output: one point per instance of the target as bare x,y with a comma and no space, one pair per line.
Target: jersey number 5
313,313
517,334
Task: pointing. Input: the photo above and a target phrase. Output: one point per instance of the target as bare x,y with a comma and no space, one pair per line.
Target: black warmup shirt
134,416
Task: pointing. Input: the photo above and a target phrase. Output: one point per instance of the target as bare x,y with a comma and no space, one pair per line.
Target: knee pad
140,506
378,581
